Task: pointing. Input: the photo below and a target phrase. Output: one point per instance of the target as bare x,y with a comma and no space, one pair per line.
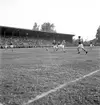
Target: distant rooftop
15,28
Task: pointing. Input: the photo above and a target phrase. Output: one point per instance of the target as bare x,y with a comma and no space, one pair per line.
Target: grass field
34,76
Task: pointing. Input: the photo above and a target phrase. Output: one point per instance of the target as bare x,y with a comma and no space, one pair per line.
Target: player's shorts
80,46
11,46
55,46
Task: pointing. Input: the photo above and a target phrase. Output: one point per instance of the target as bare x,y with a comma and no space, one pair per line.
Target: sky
78,17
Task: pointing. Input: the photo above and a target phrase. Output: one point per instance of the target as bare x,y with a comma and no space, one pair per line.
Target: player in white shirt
62,45
91,45
6,46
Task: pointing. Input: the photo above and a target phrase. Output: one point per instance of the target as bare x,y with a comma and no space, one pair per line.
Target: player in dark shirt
54,42
11,46
80,45
55,45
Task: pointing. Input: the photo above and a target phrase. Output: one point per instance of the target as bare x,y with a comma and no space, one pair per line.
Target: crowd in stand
24,42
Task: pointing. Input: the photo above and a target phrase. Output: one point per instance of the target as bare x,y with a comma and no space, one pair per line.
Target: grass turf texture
26,73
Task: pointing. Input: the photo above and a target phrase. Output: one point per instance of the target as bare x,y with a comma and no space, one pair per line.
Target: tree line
96,40
45,27
98,35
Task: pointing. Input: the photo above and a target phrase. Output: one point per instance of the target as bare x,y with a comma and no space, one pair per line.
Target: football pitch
34,76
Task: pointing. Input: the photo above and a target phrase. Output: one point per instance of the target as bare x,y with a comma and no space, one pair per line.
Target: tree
98,34
48,27
36,27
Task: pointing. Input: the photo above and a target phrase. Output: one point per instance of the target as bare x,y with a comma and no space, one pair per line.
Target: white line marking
59,87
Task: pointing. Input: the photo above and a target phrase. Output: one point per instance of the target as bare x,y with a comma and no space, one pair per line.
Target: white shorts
61,46
11,46
80,46
55,46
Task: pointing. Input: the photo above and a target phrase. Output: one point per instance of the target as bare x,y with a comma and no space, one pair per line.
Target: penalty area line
59,87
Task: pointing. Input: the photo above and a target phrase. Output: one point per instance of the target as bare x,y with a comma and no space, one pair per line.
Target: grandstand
29,38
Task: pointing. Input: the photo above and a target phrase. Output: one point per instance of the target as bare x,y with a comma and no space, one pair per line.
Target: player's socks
86,52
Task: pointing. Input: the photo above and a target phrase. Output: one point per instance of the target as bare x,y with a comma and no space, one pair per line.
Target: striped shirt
80,41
